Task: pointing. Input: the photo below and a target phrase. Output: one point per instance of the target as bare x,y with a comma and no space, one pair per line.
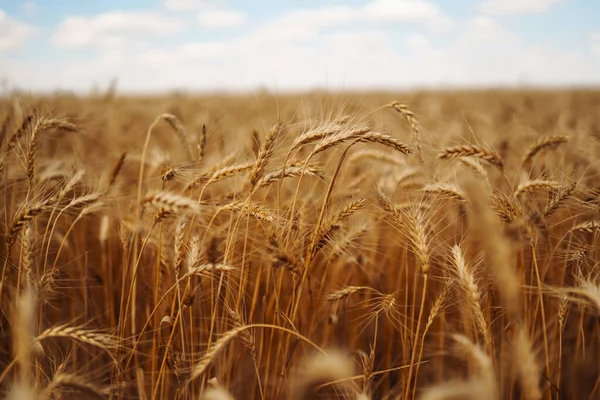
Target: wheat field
414,245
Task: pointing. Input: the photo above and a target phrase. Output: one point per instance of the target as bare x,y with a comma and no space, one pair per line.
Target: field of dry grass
357,246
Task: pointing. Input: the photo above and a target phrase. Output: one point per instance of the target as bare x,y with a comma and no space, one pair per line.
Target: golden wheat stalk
4,128
475,165
201,146
543,144
419,237
181,133
528,370
42,125
27,214
343,136
172,202
446,190
79,334
561,197
415,127
290,171
250,209
468,283
315,134
207,269
73,381
332,224
386,140
503,207
212,352
17,135
536,184
346,292
587,226
374,155
116,170
265,153
320,369
219,174
472,151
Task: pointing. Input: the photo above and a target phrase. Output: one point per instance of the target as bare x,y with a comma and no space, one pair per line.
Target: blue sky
237,45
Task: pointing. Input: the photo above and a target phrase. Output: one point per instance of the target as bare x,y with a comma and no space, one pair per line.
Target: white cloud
30,7
595,43
506,7
325,16
416,41
299,26
344,59
407,10
188,5
13,33
337,47
112,29
209,50
484,29
221,18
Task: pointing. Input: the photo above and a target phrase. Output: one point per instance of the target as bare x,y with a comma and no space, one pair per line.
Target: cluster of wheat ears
260,248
